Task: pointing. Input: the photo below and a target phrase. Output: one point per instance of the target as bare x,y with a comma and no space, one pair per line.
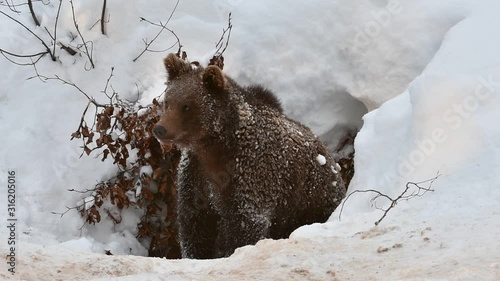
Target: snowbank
445,123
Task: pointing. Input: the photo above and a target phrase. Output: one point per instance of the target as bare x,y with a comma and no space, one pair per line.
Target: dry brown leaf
76,134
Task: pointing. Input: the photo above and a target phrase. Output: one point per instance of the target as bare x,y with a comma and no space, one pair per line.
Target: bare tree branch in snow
178,43
32,11
103,14
48,50
412,190
85,43
163,27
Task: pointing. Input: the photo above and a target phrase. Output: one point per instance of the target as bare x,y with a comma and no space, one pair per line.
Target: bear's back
259,96
277,167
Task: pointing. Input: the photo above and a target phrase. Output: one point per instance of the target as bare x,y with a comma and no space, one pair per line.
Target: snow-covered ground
428,72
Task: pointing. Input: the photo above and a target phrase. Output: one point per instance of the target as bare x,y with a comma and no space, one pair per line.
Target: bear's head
193,101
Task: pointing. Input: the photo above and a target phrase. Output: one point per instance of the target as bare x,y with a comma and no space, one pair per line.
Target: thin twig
48,32
164,50
24,56
103,23
91,43
401,197
40,55
168,29
12,6
32,11
36,71
69,209
105,91
102,184
82,191
20,5
55,25
112,217
89,54
99,21
36,36
219,45
82,120
65,82
163,27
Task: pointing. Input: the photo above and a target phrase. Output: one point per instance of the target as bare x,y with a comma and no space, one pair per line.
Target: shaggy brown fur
247,171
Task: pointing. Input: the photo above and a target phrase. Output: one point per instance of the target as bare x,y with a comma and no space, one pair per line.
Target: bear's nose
159,131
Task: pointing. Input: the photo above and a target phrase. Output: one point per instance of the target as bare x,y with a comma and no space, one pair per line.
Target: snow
146,170
428,72
321,159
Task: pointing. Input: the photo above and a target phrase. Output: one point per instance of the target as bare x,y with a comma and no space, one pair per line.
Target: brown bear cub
247,171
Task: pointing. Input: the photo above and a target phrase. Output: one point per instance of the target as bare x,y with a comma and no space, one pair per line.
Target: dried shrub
122,133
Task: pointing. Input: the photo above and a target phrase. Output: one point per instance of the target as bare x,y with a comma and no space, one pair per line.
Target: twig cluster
412,190
85,44
48,45
38,55
123,132
222,45
12,6
163,27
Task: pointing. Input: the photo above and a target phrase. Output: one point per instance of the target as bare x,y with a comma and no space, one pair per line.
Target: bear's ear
175,66
213,78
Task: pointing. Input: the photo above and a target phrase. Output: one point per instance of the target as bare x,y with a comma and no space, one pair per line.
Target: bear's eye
185,108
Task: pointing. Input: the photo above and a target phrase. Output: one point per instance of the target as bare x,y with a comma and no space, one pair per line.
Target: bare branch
54,37
12,6
82,122
36,36
112,217
164,50
36,70
32,11
163,27
105,91
221,47
55,26
218,59
404,196
65,82
50,34
103,22
38,55
87,52
99,21
23,56
68,209
82,191
169,30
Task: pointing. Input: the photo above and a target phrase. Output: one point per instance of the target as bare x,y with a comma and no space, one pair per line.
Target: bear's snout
160,132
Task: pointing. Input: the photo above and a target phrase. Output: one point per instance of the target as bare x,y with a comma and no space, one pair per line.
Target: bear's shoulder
259,96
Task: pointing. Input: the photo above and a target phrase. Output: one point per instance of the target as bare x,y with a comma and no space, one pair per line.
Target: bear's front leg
240,227
197,220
